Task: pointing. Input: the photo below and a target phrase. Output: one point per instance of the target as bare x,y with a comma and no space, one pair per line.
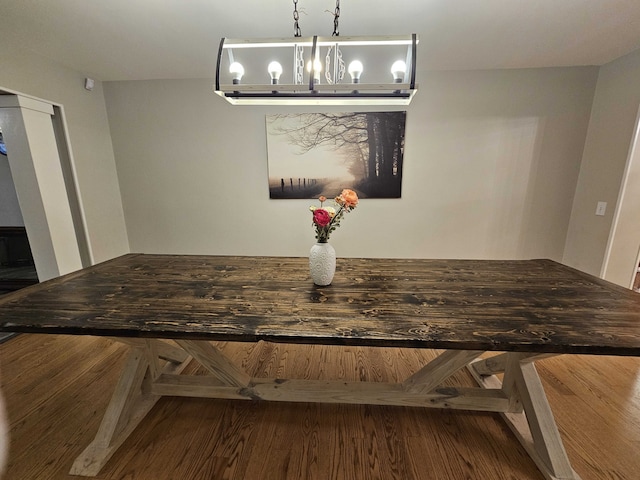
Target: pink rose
321,217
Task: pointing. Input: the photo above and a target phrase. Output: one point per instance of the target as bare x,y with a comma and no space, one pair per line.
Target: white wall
606,151
27,73
491,163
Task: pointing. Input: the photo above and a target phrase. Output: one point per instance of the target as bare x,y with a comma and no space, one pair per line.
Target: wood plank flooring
56,389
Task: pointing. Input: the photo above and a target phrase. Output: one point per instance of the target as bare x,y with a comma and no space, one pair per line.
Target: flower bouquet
327,219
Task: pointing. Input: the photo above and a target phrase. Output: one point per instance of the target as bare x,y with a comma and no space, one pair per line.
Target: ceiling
153,39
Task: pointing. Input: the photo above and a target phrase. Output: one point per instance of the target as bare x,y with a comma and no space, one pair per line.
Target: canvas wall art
313,154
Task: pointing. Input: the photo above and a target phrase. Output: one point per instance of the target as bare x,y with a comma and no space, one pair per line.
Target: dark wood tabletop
524,305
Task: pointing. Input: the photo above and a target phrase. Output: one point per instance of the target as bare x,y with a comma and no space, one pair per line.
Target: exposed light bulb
275,70
317,68
398,69
355,70
237,71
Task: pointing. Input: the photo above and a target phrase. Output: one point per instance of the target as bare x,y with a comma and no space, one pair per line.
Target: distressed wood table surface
168,308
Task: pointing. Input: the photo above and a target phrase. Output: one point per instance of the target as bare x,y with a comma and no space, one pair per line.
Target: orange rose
348,198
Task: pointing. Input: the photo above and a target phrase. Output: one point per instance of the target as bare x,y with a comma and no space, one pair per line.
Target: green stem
322,235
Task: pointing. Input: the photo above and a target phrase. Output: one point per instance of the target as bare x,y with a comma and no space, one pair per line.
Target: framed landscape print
313,154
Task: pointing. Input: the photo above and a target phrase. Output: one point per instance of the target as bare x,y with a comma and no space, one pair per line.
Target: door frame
62,166
622,254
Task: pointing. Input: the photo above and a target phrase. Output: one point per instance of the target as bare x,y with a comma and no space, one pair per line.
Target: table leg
130,403
535,426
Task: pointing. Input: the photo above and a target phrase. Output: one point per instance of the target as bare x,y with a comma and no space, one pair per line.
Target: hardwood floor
56,389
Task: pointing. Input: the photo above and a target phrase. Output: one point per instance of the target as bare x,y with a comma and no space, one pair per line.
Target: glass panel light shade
340,62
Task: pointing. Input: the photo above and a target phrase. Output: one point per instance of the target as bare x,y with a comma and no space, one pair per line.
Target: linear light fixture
311,70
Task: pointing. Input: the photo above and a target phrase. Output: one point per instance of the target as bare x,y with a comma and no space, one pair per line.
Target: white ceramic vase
322,263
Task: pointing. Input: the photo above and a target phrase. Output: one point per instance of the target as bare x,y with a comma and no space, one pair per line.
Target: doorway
17,269
38,150
622,257
42,232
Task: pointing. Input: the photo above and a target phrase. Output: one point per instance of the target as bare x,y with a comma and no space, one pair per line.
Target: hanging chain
338,75
341,67
336,16
296,17
298,66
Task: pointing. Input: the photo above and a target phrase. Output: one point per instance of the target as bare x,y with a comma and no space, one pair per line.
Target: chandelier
312,70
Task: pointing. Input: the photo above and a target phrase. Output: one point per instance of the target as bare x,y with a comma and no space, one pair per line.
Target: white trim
13,99
76,186
635,143
18,101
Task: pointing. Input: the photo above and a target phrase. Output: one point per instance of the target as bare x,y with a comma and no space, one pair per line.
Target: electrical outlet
601,208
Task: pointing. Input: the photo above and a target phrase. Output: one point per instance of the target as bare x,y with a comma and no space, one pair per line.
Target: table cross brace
520,400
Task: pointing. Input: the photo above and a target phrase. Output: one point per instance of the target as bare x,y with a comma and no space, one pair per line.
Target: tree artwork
313,154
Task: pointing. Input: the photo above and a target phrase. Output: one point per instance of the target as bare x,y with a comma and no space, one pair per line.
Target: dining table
492,318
